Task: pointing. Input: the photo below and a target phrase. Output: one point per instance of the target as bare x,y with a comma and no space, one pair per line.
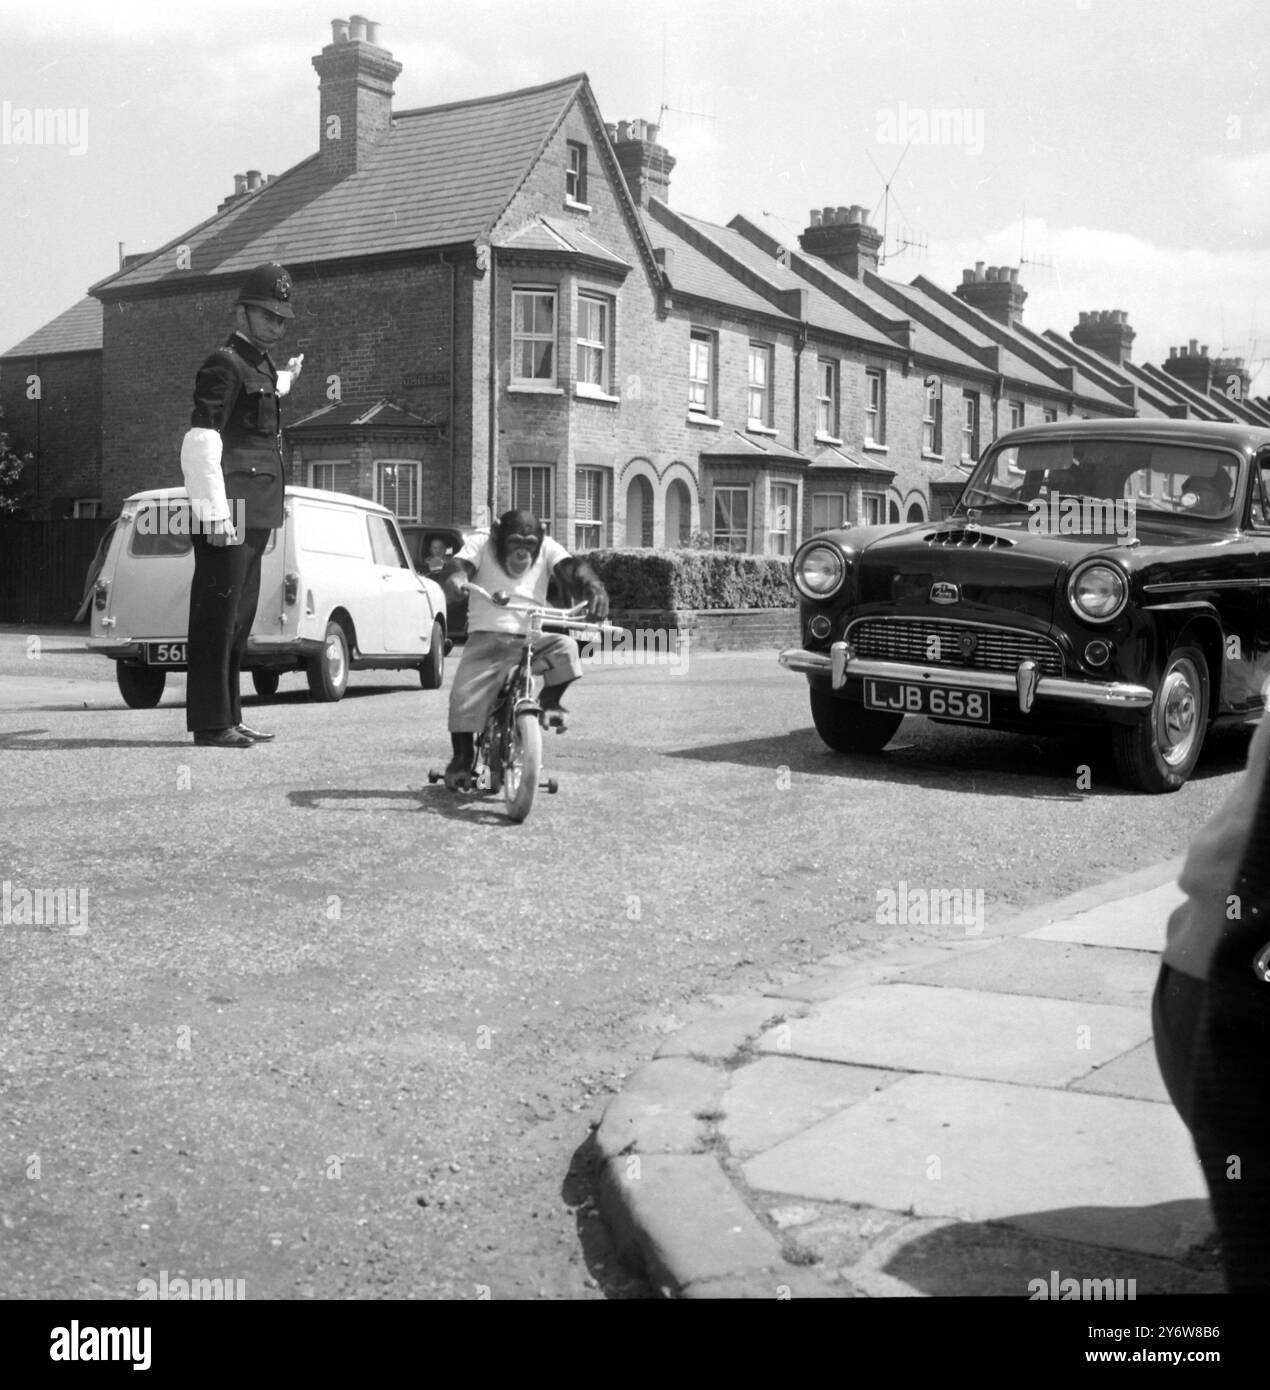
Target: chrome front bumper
1025,683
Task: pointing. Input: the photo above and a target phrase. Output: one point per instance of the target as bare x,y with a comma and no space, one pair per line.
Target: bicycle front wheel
523,764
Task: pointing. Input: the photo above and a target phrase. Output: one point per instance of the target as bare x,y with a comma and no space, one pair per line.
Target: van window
384,544
160,528
331,530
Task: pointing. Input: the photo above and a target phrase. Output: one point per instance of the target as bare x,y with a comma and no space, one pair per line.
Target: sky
1117,151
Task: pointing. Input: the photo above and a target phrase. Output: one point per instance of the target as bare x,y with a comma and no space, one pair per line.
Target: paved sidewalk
957,1119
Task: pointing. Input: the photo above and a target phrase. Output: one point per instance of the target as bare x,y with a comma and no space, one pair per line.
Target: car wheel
265,683
848,728
140,686
1159,753
432,668
328,671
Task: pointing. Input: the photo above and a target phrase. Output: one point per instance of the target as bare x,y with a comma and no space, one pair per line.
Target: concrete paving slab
1114,1172
1055,969
1135,1074
1004,1037
775,1097
1137,924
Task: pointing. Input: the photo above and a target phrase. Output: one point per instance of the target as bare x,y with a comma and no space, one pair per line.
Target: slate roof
76,330
545,234
696,273
439,176
351,415
734,445
823,312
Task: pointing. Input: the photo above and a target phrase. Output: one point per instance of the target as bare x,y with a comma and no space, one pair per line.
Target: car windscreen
1171,479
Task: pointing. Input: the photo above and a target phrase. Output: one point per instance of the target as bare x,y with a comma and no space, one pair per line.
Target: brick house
50,403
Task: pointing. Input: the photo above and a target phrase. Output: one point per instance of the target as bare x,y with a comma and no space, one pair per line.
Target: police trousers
223,598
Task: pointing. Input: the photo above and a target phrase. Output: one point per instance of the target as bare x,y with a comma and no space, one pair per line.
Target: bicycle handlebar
569,618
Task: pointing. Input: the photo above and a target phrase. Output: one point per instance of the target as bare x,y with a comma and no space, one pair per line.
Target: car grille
968,538
995,649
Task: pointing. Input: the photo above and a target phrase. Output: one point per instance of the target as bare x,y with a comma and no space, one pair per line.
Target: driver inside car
1211,494
517,557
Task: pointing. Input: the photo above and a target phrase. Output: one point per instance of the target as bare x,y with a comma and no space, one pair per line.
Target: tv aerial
904,242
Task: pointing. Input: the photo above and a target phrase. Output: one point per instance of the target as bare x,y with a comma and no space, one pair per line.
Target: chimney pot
842,216
357,27
240,184
653,132
612,130
967,276
1194,346
339,31
372,32
978,270
1172,353
992,274
253,180
1203,352
827,215
623,131
1084,316
814,218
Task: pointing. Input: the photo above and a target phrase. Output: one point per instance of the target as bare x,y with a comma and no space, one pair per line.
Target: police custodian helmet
269,287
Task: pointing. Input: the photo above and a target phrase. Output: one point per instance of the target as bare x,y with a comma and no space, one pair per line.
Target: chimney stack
645,164
355,77
995,291
843,237
1192,367
1106,332
1231,378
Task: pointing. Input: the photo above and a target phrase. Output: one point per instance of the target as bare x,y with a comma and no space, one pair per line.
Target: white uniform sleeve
200,463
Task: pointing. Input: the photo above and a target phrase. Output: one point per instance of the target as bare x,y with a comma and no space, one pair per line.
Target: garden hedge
693,579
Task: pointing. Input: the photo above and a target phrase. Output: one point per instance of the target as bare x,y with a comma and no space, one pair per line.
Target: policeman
232,461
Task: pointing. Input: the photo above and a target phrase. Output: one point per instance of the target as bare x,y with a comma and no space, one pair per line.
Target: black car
1096,575
433,547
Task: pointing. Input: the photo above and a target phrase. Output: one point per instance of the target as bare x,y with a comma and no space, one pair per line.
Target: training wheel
434,776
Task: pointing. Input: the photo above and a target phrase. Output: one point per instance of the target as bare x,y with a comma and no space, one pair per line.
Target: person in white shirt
518,557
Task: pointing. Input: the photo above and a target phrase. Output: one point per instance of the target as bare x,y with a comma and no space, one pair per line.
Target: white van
337,593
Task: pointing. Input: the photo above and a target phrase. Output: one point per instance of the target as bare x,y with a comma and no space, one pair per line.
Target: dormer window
575,175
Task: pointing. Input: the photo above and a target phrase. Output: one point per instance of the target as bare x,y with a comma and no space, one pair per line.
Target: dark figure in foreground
1212,1017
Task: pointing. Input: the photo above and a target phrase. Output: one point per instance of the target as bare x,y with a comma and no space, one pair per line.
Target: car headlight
1098,592
819,571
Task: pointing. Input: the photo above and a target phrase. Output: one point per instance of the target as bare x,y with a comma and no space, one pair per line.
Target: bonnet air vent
969,538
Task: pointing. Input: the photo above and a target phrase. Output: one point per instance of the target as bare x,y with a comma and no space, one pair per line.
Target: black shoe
221,738
255,735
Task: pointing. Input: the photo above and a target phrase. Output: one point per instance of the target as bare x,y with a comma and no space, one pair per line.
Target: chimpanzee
516,555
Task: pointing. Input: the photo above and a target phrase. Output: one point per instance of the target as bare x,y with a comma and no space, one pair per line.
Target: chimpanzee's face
520,555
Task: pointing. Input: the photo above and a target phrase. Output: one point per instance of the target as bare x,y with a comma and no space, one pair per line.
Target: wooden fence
43,565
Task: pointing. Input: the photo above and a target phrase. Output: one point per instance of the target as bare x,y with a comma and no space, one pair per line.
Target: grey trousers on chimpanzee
487,658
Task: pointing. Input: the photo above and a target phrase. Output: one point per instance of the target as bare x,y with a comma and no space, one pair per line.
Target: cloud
1238,190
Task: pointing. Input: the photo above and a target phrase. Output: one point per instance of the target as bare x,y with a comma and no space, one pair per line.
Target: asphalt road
336,1033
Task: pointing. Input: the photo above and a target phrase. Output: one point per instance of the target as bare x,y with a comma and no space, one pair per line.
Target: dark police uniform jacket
236,394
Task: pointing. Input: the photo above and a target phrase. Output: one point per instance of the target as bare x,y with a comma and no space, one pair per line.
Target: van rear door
149,595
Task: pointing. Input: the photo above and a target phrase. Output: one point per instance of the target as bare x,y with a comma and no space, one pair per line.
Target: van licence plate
943,701
166,654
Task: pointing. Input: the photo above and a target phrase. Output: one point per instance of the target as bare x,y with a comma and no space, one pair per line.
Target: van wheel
432,668
140,686
328,671
266,683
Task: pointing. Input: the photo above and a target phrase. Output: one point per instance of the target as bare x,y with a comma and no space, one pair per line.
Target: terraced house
500,305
